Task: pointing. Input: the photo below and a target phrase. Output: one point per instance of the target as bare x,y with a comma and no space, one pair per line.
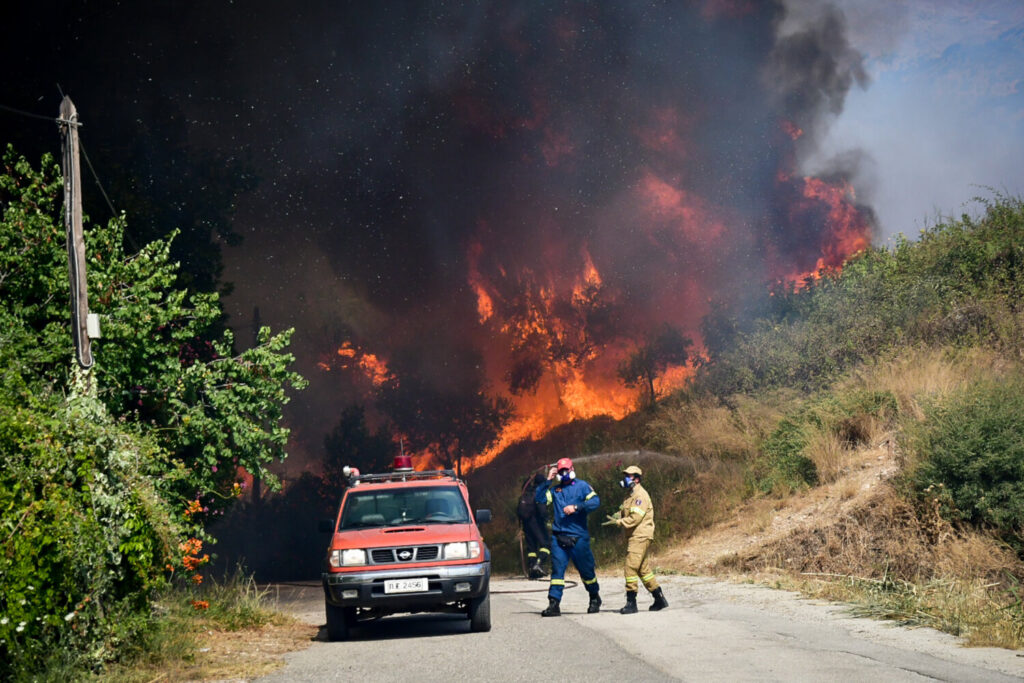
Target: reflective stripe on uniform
590,495
632,579
648,577
531,554
588,582
549,497
557,582
545,550
637,510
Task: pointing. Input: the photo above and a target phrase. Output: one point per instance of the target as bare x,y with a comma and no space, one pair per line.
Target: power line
88,162
35,116
97,179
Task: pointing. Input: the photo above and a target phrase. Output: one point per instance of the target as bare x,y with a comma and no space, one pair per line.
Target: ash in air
475,203
504,200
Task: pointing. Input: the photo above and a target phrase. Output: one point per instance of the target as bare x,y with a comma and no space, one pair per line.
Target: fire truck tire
480,613
340,621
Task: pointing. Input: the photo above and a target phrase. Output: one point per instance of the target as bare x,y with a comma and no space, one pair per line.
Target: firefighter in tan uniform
637,514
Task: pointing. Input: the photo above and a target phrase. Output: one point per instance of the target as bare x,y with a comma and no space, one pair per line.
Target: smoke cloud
517,194
504,197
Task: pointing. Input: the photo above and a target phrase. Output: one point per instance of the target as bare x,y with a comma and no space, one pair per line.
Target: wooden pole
73,224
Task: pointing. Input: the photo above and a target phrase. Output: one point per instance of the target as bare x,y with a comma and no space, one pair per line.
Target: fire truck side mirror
482,516
325,526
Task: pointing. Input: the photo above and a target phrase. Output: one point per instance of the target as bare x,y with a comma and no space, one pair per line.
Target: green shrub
959,284
788,462
971,449
83,536
104,473
783,468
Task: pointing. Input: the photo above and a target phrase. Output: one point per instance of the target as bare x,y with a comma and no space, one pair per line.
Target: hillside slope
756,527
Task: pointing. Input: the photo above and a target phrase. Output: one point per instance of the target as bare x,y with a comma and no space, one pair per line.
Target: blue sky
943,116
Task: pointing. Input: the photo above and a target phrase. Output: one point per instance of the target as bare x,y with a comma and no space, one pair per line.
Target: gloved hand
613,520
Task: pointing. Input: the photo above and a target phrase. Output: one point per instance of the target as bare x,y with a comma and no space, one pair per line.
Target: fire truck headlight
347,558
353,556
462,551
455,551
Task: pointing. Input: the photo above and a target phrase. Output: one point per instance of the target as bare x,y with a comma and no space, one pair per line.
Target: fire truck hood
405,535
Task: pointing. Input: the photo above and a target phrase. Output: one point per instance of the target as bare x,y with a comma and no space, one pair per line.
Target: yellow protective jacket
637,513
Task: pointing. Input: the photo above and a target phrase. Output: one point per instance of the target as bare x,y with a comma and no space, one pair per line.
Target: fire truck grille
427,552
404,554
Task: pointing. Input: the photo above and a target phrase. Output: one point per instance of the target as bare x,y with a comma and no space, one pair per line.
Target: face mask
626,482
566,476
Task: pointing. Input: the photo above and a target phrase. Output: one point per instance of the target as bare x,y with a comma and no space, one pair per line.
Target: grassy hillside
918,351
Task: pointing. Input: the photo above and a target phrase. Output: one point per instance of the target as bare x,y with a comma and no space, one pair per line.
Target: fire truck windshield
407,505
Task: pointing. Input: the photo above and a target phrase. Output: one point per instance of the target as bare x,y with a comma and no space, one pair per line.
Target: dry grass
829,453
848,488
705,428
203,651
886,536
237,636
855,538
894,561
983,614
207,653
927,374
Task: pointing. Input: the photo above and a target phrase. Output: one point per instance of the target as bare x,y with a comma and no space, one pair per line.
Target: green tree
159,364
99,487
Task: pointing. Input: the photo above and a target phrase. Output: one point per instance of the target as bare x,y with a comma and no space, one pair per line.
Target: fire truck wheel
340,621
480,613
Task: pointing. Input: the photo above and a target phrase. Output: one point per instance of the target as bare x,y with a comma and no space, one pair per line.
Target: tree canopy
666,347
110,476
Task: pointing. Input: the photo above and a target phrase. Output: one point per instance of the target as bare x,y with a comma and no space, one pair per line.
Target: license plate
405,585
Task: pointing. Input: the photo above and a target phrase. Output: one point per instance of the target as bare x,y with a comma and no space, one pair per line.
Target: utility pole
68,121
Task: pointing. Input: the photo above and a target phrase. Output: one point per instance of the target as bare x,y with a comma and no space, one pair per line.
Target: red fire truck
405,541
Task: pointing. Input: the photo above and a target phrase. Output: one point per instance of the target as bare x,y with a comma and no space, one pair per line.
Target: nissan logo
404,555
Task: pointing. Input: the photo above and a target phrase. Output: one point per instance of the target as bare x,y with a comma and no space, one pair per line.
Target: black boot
659,600
552,610
595,604
630,607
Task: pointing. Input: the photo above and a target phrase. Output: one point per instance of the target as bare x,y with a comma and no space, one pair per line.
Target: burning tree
665,348
449,425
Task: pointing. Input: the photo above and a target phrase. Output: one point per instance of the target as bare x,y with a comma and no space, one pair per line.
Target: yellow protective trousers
638,566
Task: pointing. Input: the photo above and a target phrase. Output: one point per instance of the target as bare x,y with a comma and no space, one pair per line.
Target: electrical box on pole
76,242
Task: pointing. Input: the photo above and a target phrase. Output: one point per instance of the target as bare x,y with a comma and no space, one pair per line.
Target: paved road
712,631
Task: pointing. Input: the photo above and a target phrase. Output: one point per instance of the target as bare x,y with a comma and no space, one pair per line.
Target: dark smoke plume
501,147
505,197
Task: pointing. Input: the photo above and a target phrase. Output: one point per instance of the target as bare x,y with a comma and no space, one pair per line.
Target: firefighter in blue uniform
572,499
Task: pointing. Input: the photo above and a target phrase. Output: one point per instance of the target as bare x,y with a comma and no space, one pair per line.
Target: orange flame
484,302
791,129
578,378
665,201
848,231
588,283
351,357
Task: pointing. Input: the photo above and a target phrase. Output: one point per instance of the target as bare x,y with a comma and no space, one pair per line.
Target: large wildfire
599,197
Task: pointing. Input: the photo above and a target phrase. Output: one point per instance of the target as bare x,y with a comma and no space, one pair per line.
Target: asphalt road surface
712,631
